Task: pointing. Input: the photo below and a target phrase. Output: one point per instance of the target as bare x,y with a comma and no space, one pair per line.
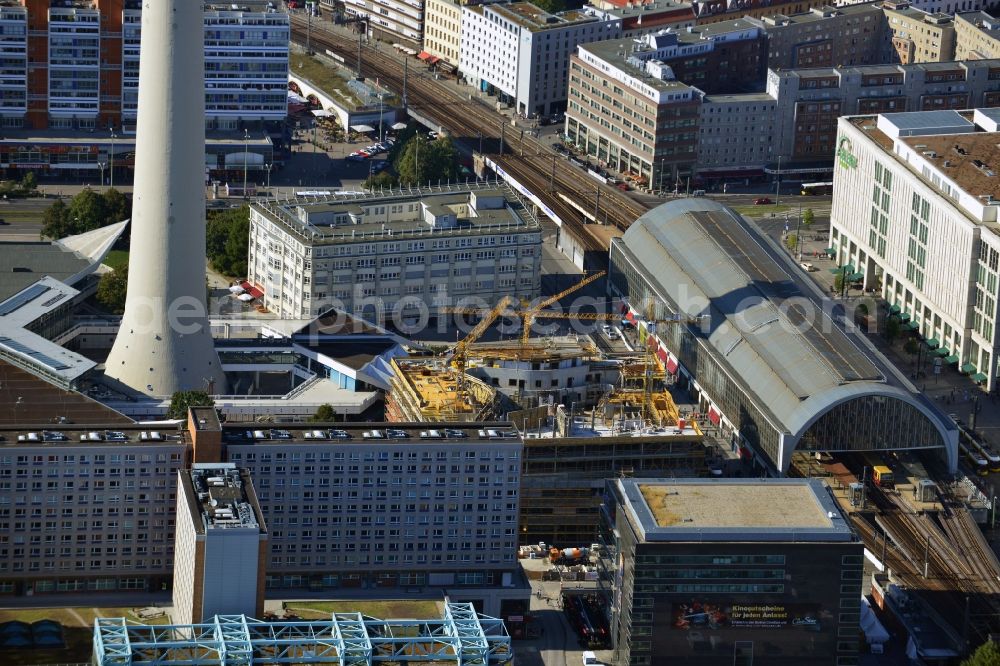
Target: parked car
762,201
559,148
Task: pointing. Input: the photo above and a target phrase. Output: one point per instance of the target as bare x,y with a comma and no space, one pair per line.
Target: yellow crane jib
528,316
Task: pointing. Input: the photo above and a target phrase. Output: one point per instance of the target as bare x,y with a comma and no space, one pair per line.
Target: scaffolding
428,390
463,637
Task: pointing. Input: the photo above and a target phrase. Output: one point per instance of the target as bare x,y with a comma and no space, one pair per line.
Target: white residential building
394,253
915,212
521,52
402,18
246,66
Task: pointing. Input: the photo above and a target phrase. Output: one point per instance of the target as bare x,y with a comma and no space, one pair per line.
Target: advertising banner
698,614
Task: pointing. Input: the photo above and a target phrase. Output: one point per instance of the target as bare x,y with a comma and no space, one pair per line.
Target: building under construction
428,389
565,369
568,455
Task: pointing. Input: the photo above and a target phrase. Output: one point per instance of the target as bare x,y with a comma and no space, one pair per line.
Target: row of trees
416,159
86,211
227,240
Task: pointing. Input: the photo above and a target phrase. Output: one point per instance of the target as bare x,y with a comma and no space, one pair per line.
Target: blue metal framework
463,637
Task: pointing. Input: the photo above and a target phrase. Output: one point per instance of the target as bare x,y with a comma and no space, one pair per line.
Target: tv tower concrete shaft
165,343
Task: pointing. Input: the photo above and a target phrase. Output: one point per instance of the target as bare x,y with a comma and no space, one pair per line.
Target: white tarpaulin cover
246,298
874,631
237,289
362,128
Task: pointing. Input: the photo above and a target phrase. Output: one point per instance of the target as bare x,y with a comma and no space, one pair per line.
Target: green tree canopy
111,289
181,400
380,180
551,6
423,161
324,414
808,217
55,221
791,242
987,654
117,206
30,182
227,240
86,211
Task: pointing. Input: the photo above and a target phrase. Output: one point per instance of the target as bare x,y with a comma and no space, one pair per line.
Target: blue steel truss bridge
462,637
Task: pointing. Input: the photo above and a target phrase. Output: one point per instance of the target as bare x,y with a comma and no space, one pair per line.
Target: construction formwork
463,637
429,390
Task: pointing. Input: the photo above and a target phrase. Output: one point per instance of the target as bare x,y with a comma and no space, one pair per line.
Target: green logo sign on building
844,155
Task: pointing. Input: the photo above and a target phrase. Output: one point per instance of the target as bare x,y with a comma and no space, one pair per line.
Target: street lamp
268,167
381,108
111,159
101,165
246,168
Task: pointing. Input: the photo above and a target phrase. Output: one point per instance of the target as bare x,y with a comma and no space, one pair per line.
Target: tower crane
528,316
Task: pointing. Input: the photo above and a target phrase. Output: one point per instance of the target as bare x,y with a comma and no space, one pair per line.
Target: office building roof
221,497
534,18
666,510
963,148
453,210
27,399
617,53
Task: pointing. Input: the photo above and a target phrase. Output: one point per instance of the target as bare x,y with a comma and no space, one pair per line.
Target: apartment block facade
977,36
395,253
824,37
369,505
75,65
628,111
924,237
522,53
810,101
918,36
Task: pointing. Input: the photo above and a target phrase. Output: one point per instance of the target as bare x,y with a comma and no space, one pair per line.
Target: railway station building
729,571
770,361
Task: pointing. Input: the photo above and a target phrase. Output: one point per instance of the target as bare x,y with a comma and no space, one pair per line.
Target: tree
117,206
324,414
30,182
423,161
55,221
227,240
791,242
182,400
838,282
551,6
987,654
111,289
911,346
892,328
808,217
380,180
87,211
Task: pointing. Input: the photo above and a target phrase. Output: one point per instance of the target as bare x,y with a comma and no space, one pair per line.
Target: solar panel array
34,354
26,296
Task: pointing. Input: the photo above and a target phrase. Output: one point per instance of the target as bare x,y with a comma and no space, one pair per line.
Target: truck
590,659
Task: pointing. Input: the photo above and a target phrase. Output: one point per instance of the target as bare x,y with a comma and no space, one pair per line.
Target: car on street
559,148
762,201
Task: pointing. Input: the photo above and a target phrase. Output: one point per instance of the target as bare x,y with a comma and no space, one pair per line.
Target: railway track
465,118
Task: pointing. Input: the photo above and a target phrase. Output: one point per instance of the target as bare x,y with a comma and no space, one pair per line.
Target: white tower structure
165,343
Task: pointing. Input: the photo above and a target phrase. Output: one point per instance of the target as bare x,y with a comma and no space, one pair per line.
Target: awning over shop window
830,251
713,416
671,364
662,355
424,55
911,326
856,277
254,291
894,309
904,316
979,377
952,359
932,342
968,368
941,351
